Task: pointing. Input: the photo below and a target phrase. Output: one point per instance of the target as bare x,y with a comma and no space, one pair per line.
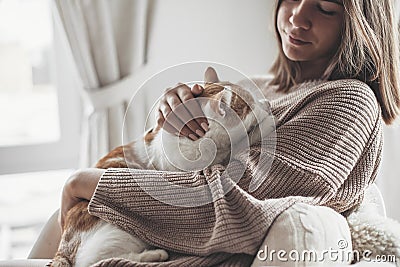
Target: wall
236,33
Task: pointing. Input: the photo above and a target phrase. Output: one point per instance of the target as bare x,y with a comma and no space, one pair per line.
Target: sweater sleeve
329,133
319,141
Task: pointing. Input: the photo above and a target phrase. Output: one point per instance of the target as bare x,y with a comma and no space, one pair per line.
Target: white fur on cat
170,152
120,244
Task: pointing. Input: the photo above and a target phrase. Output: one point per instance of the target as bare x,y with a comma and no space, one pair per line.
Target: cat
232,113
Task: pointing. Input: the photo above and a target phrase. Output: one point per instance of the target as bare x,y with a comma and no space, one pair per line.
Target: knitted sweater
328,149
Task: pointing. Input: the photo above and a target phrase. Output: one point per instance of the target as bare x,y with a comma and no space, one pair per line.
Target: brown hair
369,52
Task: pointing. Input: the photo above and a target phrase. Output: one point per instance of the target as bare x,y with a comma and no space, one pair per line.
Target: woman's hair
369,52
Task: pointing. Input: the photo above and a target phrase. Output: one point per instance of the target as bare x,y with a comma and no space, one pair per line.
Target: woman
335,78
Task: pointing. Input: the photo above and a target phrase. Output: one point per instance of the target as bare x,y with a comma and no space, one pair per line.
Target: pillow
305,235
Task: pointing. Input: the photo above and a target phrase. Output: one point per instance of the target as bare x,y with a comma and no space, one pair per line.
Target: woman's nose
300,17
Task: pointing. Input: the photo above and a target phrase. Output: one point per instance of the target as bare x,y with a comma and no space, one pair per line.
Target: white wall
236,33
389,178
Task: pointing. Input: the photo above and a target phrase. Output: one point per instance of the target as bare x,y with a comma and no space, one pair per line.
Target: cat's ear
221,104
210,75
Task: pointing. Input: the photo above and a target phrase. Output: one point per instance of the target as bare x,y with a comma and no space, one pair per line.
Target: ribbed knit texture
328,149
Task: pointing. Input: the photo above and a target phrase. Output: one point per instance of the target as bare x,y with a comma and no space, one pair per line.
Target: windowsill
27,200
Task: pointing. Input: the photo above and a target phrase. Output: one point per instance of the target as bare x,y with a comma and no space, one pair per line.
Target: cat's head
231,104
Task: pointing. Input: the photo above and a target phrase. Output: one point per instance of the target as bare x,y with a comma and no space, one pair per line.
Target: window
28,99
39,110
39,115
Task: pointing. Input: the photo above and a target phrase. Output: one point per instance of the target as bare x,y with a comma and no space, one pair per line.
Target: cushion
306,235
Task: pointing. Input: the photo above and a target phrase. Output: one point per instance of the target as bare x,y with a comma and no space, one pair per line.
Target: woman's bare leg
47,243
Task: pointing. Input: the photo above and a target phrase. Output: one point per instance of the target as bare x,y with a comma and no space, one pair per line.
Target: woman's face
310,30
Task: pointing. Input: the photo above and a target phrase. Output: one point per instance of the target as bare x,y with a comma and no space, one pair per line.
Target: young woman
335,79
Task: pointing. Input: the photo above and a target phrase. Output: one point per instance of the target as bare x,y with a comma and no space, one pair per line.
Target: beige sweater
328,149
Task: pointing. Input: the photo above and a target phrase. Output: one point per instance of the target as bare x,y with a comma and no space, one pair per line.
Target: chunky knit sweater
328,149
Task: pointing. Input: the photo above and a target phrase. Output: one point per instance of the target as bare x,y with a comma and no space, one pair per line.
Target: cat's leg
65,256
77,221
155,255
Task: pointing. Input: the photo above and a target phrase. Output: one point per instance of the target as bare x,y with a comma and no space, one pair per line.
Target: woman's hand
79,187
180,113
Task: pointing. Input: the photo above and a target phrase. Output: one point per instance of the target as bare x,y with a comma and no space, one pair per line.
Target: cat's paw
155,255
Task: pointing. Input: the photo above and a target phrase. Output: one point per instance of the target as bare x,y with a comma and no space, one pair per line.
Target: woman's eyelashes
328,8
326,12
325,8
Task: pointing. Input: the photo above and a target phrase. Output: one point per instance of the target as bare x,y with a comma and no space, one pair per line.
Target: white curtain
108,42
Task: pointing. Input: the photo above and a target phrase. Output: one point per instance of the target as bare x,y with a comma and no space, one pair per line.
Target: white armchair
300,228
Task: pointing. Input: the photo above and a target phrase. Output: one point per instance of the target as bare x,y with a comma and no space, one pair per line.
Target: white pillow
306,235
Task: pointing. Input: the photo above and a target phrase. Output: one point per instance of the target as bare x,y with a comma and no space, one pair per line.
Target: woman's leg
306,235
47,243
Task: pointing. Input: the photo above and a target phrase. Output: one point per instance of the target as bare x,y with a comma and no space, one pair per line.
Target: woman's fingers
197,90
200,117
189,112
170,117
179,112
185,131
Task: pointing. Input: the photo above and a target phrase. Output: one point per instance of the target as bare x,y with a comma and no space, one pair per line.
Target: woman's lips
297,41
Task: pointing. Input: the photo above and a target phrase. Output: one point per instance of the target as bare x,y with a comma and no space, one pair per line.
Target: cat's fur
87,239
158,148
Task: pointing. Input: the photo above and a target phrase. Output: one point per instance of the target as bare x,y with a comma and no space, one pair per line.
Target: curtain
108,43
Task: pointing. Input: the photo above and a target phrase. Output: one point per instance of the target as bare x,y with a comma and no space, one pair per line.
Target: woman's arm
79,187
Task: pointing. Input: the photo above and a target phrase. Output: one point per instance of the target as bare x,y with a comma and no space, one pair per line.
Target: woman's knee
305,235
